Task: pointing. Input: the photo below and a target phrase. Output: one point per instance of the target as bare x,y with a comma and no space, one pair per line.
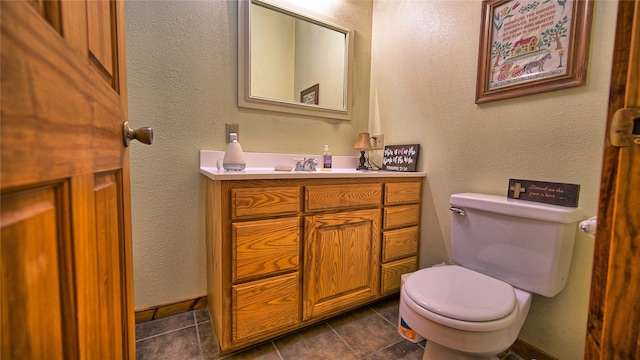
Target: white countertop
262,166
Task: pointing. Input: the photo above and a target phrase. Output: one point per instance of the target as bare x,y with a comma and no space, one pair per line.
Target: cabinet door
342,265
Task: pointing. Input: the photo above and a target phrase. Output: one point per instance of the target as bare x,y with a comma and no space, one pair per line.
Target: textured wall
424,58
182,75
422,67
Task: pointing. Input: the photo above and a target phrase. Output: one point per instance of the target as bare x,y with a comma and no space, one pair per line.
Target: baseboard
160,311
528,351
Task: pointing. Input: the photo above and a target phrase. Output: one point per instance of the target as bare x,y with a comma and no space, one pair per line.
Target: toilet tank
526,244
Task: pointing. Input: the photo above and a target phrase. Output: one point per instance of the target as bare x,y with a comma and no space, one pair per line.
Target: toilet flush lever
458,210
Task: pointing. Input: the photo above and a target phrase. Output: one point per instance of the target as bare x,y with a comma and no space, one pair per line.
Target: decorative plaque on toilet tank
544,192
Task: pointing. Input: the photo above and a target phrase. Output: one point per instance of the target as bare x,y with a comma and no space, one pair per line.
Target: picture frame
532,46
310,95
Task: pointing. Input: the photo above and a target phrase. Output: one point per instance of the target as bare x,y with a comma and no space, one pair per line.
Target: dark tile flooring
366,333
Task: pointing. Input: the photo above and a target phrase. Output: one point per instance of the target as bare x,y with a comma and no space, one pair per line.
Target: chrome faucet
306,164
310,164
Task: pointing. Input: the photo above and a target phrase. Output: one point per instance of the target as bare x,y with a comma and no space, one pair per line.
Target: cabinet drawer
324,197
404,215
402,193
264,201
264,247
265,305
400,243
392,272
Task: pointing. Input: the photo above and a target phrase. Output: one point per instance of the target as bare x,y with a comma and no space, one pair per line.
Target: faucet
310,164
306,164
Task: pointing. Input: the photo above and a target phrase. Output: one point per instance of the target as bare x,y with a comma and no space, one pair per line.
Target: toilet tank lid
520,208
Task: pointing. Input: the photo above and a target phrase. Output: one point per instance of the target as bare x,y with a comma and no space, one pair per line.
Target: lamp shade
364,142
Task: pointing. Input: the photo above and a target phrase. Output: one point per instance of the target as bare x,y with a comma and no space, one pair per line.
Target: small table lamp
363,144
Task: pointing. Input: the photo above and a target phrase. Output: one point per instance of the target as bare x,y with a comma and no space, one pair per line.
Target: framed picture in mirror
310,95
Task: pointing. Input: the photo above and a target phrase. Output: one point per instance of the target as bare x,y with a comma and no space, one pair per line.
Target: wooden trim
528,351
161,311
612,329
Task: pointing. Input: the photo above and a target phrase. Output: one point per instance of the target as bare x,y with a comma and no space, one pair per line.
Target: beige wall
322,52
182,81
275,47
182,77
424,58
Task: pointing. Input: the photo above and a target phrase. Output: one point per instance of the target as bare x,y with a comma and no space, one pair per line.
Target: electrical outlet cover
232,128
378,142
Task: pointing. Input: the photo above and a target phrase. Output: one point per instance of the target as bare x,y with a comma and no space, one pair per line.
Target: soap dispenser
234,157
326,159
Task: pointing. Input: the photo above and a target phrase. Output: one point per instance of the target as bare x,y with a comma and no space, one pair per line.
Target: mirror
292,60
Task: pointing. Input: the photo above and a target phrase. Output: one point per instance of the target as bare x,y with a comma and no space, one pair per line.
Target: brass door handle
143,134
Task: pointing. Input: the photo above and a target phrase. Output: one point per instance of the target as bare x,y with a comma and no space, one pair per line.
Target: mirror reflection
296,60
292,60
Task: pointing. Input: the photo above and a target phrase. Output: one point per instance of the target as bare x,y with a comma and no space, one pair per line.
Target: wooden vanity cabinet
285,253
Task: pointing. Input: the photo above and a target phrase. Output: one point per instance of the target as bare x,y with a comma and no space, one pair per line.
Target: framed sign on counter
400,157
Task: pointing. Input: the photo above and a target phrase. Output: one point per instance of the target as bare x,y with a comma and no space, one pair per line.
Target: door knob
143,134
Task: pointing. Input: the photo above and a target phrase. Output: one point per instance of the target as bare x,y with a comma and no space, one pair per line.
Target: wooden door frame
614,308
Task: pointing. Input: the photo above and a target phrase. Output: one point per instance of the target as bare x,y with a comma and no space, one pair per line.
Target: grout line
273,343
198,335
390,345
165,333
384,318
172,330
342,339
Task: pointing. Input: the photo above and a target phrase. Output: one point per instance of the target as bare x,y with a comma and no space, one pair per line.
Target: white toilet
503,250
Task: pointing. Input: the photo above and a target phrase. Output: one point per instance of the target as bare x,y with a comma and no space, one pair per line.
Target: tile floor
366,333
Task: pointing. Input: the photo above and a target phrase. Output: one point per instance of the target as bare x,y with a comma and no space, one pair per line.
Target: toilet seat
461,298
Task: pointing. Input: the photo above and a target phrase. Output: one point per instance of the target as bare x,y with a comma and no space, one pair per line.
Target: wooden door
66,263
614,309
342,261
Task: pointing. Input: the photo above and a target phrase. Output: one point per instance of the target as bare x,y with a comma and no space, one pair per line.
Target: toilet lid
460,293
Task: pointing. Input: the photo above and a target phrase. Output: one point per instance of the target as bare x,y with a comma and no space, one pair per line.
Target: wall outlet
377,142
231,128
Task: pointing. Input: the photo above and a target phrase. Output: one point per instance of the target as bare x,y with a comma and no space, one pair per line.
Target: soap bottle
326,159
234,157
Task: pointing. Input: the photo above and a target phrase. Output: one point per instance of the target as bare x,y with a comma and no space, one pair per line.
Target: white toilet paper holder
589,226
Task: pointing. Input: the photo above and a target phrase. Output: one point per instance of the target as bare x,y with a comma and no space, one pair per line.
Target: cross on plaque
517,190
